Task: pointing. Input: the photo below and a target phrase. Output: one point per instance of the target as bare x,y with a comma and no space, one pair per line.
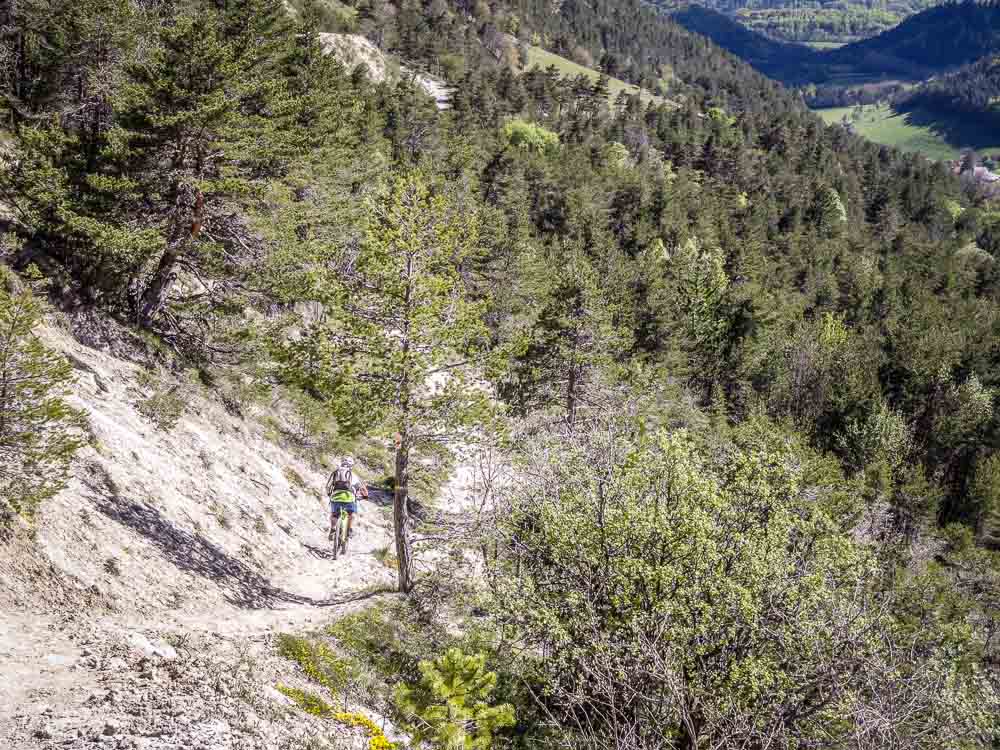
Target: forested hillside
819,21
974,89
737,370
783,61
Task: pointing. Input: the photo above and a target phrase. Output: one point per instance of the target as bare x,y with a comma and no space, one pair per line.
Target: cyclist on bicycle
344,489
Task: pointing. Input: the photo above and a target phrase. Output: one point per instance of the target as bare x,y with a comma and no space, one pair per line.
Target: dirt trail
175,679
163,678
39,662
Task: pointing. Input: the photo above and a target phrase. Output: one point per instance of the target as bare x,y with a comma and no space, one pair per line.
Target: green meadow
543,59
936,135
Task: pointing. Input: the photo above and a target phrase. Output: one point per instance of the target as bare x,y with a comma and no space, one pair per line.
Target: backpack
341,480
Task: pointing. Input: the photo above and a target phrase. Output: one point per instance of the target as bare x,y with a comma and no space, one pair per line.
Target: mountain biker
343,488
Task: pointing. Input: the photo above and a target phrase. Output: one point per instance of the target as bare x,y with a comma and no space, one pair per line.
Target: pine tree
693,305
571,340
134,184
38,430
405,335
830,211
451,708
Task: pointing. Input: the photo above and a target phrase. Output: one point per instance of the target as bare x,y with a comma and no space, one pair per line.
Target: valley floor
936,136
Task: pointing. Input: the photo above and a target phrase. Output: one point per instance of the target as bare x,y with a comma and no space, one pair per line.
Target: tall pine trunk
156,292
401,501
401,515
189,215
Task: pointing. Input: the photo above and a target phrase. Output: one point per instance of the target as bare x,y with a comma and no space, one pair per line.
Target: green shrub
371,635
451,706
164,408
39,431
391,639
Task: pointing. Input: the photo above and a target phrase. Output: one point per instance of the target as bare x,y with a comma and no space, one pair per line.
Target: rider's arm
360,491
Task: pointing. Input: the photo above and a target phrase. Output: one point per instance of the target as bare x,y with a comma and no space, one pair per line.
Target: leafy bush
39,431
662,576
527,136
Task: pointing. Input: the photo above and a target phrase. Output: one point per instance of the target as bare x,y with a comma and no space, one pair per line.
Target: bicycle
340,538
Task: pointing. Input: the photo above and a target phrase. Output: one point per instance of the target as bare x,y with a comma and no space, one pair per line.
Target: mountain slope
147,601
773,58
665,328
187,517
932,41
974,89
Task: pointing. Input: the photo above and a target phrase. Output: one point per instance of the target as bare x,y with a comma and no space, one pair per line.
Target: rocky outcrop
353,50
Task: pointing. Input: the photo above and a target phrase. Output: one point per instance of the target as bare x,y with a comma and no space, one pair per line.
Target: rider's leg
350,523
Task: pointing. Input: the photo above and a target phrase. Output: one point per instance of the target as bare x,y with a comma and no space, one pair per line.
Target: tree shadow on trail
242,586
320,552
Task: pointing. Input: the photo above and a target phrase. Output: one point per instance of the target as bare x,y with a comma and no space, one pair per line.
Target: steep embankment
142,609
207,514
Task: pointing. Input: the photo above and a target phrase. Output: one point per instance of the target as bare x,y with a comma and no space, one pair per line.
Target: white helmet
347,461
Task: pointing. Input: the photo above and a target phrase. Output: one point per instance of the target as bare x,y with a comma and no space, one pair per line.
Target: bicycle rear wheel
340,539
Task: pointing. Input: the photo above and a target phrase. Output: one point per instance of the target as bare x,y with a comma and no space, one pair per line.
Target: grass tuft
317,660
308,702
385,556
293,477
